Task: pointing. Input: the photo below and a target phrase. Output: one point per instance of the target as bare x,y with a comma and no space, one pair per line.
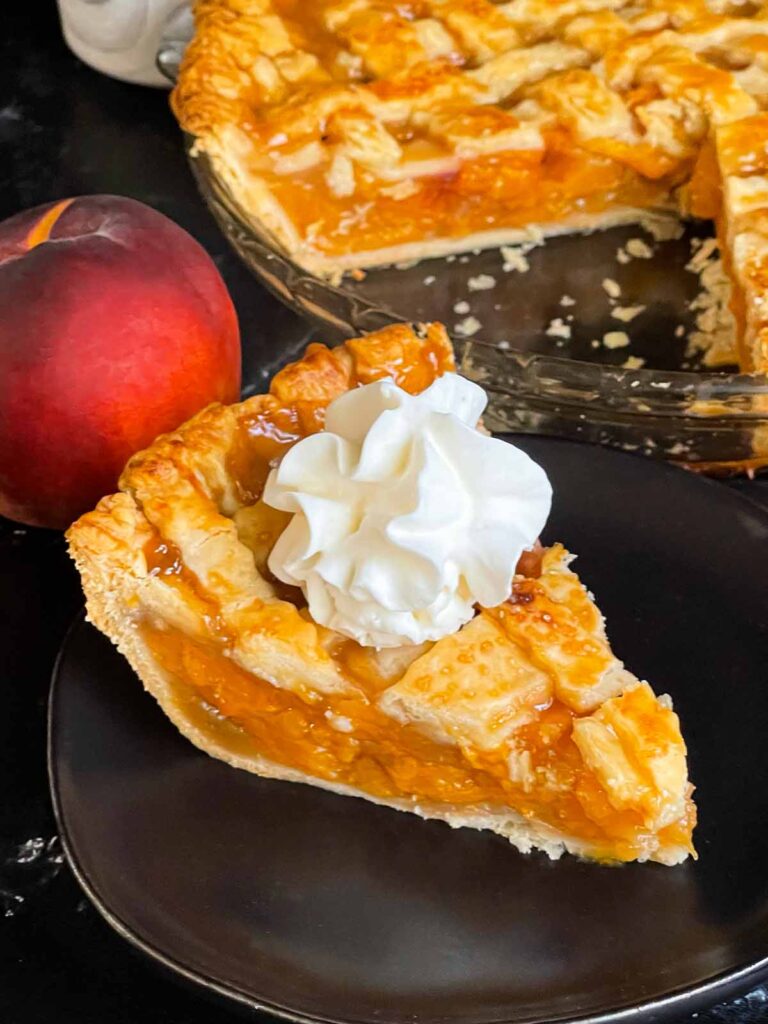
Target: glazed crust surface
174,572
355,133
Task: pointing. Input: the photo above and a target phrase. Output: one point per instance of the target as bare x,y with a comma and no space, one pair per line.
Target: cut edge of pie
257,205
523,722
109,593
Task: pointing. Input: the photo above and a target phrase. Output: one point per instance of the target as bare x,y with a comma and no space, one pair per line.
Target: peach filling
348,741
493,193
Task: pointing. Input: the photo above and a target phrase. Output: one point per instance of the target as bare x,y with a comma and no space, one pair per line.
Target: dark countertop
65,130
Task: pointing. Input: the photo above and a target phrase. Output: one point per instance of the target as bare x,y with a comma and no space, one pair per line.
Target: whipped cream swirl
405,516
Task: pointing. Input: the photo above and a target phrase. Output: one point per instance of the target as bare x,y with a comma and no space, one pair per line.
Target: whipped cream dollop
405,516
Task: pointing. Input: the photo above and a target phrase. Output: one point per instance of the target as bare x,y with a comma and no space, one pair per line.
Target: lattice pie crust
523,722
362,132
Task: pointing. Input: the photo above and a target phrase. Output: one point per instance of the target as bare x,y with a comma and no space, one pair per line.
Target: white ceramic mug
123,38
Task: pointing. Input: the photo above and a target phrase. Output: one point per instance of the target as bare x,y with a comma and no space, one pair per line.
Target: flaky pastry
523,722
362,132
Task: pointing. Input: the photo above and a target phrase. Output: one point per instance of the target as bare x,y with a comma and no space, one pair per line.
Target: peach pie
364,132
521,720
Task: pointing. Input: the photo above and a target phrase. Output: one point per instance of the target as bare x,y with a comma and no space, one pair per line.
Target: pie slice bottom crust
523,722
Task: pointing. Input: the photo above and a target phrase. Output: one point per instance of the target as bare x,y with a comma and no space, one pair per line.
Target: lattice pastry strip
386,41
480,26
478,728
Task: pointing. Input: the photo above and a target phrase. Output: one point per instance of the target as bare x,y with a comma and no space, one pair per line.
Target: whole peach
115,326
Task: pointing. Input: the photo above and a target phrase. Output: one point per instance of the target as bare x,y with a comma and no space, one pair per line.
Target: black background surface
66,130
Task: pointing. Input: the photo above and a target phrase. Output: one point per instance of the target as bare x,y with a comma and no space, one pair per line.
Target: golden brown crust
183,491
272,90
418,129
216,738
182,550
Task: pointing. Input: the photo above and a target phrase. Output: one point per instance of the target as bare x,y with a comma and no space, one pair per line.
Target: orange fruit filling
500,191
386,759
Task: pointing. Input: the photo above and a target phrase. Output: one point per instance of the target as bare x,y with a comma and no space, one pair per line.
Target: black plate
327,908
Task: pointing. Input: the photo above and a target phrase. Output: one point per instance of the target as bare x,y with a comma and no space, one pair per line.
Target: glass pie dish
583,337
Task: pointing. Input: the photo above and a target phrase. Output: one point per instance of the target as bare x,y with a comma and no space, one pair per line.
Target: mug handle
177,33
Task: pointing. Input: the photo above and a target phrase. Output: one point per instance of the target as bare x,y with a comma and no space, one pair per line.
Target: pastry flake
523,722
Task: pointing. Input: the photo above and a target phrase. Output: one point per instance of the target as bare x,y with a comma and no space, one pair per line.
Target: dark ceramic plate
325,908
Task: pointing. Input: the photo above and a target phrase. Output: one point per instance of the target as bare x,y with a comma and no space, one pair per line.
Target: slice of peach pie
362,604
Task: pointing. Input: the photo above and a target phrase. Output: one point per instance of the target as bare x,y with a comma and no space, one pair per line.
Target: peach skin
115,326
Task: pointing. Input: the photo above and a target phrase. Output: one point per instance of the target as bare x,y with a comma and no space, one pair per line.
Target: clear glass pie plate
591,342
